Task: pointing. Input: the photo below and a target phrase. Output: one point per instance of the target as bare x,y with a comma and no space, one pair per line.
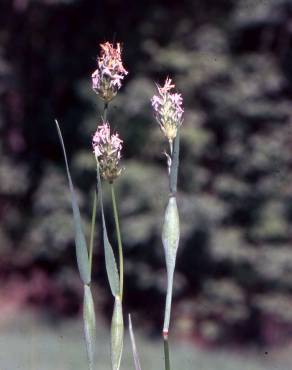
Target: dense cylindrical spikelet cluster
107,149
168,109
107,78
117,334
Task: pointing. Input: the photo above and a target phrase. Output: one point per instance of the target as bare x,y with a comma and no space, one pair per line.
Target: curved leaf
110,262
134,348
80,243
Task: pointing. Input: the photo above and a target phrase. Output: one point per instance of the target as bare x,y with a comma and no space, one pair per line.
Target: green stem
105,109
171,147
174,153
120,248
166,353
174,165
170,273
93,218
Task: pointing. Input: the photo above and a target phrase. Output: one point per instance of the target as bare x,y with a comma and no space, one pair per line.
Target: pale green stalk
171,147
105,109
168,301
115,278
170,238
174,164
93,218
166,353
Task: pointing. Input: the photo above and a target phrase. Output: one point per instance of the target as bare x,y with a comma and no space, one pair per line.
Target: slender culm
107,146
168,112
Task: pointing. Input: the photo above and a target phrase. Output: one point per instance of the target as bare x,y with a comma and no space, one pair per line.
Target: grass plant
107,146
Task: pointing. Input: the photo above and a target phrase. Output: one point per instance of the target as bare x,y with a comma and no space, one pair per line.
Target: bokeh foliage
232,62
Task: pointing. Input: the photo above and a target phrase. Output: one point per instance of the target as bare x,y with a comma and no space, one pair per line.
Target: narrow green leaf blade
80,243
134,348
89,325
110,262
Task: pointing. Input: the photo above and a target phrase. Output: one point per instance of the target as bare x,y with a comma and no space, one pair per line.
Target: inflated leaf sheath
117,334
170,240
89,325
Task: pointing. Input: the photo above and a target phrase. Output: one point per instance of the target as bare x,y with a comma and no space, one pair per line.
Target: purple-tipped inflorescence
107,78
168,109
107,149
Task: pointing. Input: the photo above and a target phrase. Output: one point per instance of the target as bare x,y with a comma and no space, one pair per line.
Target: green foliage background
232,62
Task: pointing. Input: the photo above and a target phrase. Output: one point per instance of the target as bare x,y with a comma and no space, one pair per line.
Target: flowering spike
107,78
168,109
107,149
167,86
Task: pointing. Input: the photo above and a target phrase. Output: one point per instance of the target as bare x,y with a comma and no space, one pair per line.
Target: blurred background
232,62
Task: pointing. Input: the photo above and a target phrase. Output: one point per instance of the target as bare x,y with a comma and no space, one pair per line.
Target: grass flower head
107,78
107,149
168,109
